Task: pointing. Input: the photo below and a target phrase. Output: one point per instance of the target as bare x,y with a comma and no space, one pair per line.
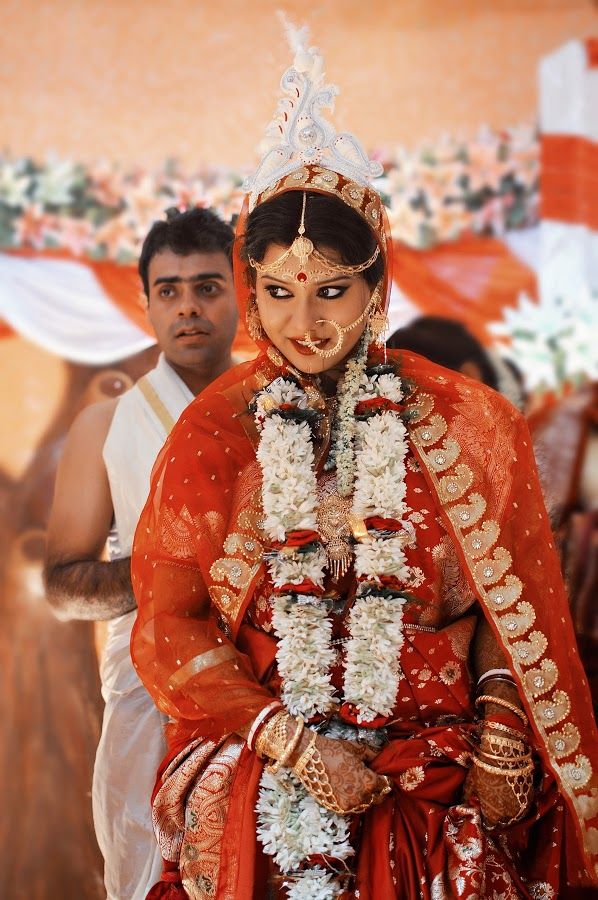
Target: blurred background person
450,344
101,487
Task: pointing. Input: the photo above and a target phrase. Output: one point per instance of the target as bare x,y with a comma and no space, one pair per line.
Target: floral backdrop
435,193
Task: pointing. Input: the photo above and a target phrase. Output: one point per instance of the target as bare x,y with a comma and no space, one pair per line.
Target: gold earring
378,321
253,321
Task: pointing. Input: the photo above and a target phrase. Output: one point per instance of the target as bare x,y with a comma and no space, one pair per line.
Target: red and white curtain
568,261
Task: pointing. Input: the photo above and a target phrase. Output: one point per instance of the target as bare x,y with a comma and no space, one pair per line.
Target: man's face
192,308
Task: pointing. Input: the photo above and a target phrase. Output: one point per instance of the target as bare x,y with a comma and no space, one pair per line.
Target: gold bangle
507,760
497,770
300,764
500,741
489,723
312,773
272,737
289,749
488,698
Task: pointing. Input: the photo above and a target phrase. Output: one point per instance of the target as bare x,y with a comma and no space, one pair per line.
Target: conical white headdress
299,135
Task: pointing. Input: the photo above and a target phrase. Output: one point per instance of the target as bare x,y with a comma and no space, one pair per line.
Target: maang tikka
303,250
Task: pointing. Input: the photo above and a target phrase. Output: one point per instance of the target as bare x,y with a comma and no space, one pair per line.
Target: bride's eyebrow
319,283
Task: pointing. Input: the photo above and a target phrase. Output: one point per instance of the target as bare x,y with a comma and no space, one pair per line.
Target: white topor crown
299,134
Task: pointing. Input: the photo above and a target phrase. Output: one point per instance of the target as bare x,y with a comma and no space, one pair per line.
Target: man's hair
194,231
445,342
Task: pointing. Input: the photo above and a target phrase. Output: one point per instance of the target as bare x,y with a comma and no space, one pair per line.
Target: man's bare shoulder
92,424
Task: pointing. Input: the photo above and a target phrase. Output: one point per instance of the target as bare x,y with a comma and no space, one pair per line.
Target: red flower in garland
377,404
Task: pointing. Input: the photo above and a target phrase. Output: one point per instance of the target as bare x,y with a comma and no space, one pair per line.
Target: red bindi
301,276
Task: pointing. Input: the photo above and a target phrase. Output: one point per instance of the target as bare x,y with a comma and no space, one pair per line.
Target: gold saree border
199,663
500,591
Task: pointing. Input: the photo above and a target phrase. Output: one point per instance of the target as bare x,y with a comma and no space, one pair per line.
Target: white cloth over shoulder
132,743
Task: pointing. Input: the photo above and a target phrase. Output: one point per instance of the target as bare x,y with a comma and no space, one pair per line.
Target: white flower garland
289,490
341,454
372,670
304,654
307,566
369,456
292,825
380,452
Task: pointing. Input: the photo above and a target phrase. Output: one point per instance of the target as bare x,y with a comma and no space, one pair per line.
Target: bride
349,600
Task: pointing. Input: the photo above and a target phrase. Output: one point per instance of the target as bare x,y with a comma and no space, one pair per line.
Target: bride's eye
332,292
278,292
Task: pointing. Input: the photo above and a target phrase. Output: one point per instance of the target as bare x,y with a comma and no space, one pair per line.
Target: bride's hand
338,775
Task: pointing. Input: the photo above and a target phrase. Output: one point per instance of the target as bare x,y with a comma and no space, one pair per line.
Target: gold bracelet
497,740
521,783
497,770
488,698
289,749
507,760
311,771
301,762
272,739
489,723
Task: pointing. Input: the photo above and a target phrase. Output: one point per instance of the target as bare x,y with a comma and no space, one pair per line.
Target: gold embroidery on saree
530,651
464,515
490,570
541,680
577,773
206,811
454,486
516,624
444,457
498,588
507,594
455,593
176,532
432,431
477,543
168,807
196,665
565,742
214,533
234,574
553,710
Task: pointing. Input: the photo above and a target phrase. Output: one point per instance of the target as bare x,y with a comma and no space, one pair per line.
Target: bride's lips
302,348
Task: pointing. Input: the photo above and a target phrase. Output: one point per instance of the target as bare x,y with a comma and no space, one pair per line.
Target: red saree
202,647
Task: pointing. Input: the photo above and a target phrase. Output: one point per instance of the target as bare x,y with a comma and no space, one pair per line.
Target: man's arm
79,585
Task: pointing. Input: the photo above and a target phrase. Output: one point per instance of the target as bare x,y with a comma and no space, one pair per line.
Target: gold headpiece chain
303,249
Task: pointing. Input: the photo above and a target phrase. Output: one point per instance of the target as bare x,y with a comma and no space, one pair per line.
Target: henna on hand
352,782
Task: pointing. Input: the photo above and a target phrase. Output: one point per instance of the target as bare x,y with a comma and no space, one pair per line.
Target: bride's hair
329,222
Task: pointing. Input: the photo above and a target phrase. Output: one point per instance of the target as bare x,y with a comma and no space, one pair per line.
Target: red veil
197,557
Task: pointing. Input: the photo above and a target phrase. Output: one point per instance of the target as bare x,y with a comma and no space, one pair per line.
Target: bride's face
290,309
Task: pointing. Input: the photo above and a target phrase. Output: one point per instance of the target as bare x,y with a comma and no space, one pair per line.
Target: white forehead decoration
299,135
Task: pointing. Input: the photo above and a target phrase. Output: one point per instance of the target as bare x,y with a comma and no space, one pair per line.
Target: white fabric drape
132,743
60,306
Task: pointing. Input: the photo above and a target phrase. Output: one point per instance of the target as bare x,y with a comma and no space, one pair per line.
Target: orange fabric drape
569,181
592,52
472,280
5,330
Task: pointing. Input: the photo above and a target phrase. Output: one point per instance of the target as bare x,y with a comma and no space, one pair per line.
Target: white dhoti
132,742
